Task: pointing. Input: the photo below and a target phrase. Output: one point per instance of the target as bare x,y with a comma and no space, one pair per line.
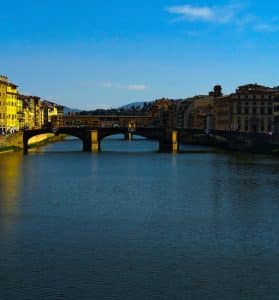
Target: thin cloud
264,27
136,87
130,87
222,14
233,14
192,13
107,84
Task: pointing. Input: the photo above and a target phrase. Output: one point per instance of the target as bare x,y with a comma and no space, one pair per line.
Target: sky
91,54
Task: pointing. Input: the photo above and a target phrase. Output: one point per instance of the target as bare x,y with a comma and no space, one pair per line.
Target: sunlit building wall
9,106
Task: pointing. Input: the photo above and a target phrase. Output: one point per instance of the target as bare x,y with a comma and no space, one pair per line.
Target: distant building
276,114
249,109
183,111
32,112
51,110
202,112
162,112
198,112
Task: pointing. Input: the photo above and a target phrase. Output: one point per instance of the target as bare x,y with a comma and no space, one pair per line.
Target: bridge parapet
98,121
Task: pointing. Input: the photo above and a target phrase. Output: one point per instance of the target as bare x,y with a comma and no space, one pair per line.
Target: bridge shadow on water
69,145
116,144
140,145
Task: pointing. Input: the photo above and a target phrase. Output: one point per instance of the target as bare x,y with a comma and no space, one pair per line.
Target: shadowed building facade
250,109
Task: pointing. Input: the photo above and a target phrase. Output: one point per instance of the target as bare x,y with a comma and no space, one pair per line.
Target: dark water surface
130,223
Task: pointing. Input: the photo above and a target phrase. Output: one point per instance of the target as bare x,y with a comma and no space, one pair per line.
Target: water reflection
10,183
129,223
69,144
116,143
10,188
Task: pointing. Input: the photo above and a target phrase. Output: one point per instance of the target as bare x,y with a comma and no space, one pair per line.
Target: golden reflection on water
10,182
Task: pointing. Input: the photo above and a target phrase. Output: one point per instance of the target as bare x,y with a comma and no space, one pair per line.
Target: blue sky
87,54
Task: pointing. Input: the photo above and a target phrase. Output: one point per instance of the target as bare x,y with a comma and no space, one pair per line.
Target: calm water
130,223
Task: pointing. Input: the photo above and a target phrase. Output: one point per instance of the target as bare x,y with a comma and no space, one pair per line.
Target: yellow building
3,90
18,112
51,110
32,112
8,106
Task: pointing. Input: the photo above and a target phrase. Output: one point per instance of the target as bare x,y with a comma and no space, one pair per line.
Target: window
246,125
262,124
238,123
238,109
269,125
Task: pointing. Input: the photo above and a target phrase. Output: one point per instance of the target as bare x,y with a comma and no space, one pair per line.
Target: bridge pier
169,142
174,141
95,143
91,142
25,145
128,136
25,149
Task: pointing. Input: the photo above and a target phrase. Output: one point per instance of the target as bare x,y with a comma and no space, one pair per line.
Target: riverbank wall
253,143
11,142
14,142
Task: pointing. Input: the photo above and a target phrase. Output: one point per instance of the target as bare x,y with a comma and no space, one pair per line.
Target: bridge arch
115,142
104,132
75,132
150,133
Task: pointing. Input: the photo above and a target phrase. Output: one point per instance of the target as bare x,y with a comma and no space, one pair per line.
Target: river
130,223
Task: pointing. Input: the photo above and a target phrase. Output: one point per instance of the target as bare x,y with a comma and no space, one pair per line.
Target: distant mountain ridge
138,104
68,110
133,104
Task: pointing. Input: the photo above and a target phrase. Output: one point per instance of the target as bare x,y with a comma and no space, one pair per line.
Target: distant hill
133,104
68,110
138,105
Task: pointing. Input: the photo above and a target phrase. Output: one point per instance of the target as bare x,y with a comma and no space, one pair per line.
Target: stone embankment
14,142
11,142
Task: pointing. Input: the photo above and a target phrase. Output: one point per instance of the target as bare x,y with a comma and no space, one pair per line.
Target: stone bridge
168,140
92,137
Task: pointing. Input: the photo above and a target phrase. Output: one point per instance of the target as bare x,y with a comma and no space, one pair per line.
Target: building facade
202,112
276,114
162,112
9,121
250,109
198,112
18,112
50,110
3,91
183,113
